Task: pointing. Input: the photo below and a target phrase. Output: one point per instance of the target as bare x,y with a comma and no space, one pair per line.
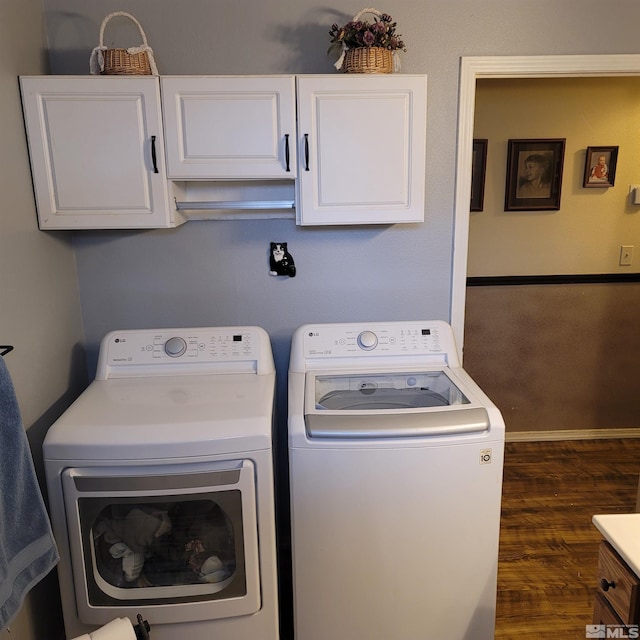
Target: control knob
175,347
367,340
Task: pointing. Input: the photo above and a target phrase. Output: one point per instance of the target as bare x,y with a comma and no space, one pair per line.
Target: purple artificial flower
359,33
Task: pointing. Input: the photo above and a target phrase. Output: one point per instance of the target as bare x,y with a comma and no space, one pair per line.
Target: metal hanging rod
4,349
236,204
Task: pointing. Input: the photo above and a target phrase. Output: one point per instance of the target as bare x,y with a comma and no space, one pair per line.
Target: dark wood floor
548,544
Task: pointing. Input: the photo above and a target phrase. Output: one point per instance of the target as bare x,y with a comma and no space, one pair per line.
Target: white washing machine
396,462
161,486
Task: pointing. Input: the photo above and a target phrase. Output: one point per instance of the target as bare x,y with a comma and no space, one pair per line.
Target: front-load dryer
395,461
161,486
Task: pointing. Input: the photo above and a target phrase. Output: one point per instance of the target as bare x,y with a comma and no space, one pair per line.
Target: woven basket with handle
136,60
368,59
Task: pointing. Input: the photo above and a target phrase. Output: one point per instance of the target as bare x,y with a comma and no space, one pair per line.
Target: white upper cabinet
361,145
229,127
97,152
342,149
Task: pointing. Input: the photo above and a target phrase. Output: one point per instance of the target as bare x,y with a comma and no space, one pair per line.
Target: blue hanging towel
27,548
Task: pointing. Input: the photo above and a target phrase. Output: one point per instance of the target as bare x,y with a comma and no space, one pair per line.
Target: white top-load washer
395,459
161,486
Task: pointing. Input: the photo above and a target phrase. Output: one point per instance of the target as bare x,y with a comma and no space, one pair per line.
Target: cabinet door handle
153,154
605,585
306,152
286,150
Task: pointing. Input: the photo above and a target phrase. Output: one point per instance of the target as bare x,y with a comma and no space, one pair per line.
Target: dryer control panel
199,350
432,339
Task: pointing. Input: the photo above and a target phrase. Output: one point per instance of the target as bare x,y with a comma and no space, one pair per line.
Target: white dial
175,347
367,340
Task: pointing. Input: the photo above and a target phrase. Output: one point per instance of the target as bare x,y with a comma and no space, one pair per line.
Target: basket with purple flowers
367,47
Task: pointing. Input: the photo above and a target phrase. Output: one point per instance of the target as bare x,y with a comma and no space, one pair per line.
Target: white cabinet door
227,127
97,152
362,142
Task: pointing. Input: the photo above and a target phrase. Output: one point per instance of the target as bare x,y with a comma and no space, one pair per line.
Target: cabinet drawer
603,612
618,584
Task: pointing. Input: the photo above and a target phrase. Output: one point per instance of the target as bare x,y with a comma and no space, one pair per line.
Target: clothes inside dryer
397,391
153,543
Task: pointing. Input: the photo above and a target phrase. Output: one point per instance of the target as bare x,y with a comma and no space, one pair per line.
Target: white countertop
622,531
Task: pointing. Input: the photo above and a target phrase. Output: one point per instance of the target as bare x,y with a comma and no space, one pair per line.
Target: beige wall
39,307
585,235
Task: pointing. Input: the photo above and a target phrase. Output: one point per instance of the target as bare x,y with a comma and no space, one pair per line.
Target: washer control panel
159,350
368,339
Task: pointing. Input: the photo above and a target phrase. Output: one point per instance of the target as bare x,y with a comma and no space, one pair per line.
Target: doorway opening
472,69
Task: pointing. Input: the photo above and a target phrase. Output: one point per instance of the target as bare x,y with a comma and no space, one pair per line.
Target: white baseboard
571,434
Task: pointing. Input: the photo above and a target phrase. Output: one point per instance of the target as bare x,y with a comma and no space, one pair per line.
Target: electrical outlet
626,255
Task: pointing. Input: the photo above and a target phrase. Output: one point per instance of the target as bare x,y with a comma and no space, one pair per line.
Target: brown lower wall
557,356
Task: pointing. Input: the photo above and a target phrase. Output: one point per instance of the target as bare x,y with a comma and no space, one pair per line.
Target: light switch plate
626,255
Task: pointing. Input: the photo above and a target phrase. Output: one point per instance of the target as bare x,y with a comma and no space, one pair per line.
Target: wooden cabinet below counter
617,599
618,595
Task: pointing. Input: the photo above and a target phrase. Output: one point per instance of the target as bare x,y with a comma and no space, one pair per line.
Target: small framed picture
478,172
534,174
600,167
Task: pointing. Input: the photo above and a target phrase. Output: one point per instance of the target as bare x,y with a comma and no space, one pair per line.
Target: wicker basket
132,61
368,60
121,62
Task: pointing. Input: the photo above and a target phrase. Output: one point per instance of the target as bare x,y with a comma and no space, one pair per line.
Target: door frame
472,69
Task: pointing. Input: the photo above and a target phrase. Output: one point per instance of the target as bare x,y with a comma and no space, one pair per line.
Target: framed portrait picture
478,172
534,174
600,167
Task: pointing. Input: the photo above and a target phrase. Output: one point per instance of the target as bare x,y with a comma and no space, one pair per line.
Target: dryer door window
164,535
153,549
